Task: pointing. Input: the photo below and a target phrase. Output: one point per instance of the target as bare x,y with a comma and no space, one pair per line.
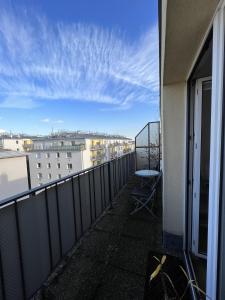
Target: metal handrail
108,180
57,181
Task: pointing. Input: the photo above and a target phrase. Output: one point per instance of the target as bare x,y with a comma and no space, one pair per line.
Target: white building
51,158
14,176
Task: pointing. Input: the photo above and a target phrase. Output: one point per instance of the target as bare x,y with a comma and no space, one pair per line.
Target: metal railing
39,227
32,147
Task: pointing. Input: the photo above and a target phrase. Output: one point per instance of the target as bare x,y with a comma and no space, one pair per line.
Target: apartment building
55,157
15,143
14,173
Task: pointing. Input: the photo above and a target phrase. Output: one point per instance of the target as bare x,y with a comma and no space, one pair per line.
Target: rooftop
66,135
8,154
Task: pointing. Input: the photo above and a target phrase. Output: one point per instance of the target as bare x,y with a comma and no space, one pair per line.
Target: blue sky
78,65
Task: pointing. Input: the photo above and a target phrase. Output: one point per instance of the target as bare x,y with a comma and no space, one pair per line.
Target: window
38,155
58,165
69,166
17,142
39,175
17,149
48,165
38,165
57,154
49,176
68,154
47,155
59,176
73,143
62,143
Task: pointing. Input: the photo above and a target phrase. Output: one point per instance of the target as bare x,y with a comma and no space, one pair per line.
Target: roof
9,154
80,137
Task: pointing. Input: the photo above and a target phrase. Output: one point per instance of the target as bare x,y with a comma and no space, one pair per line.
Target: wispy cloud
46,120
44,61
58,122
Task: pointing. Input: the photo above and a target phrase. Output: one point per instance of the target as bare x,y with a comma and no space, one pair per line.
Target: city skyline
86,66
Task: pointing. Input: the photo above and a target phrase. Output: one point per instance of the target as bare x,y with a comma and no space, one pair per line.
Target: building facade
192,116
52,158
14,174
15,143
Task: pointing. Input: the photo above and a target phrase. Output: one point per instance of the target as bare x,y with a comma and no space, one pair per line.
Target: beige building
15,143
14,176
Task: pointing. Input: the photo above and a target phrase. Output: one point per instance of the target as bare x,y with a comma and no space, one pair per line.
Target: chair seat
140,192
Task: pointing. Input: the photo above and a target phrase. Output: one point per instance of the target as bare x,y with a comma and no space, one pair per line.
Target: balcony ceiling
186,25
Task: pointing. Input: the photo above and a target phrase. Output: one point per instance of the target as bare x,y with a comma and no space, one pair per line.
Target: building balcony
96,147
40,227
111,260
74,238
98,157
57,148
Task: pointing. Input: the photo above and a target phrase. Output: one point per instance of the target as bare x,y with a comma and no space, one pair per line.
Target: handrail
40,230
14,198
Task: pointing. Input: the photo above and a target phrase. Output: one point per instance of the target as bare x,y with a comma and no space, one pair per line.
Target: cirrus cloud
42,61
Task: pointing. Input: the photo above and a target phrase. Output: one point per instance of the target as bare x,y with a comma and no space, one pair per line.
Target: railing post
80,202
93,173
100,171
2,277
110,186
90,196
74,209
58,219
49,231
20,250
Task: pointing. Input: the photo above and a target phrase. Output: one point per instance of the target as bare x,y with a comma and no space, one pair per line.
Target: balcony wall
39,227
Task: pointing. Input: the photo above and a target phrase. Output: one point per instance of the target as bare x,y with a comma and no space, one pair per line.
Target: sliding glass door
202,124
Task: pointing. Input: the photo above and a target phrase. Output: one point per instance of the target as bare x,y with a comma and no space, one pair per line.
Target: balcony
38,228
110,261
98,157
37,148
74,238
96,147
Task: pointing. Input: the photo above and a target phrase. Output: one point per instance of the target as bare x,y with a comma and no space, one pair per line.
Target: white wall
86,155
174,157
13,176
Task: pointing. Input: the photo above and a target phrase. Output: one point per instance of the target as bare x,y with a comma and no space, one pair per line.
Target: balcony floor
111,260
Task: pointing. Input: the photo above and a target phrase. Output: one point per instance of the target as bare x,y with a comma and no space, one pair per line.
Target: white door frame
215,150
197,165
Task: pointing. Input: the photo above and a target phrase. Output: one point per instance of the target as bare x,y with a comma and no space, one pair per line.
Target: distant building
15,143
14,177
54,157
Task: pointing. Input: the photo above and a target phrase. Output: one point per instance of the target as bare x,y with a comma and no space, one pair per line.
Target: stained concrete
111,261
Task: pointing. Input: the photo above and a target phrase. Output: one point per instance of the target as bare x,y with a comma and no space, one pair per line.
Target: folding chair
145,200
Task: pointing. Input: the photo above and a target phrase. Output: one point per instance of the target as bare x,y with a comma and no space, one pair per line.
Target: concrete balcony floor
110,261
